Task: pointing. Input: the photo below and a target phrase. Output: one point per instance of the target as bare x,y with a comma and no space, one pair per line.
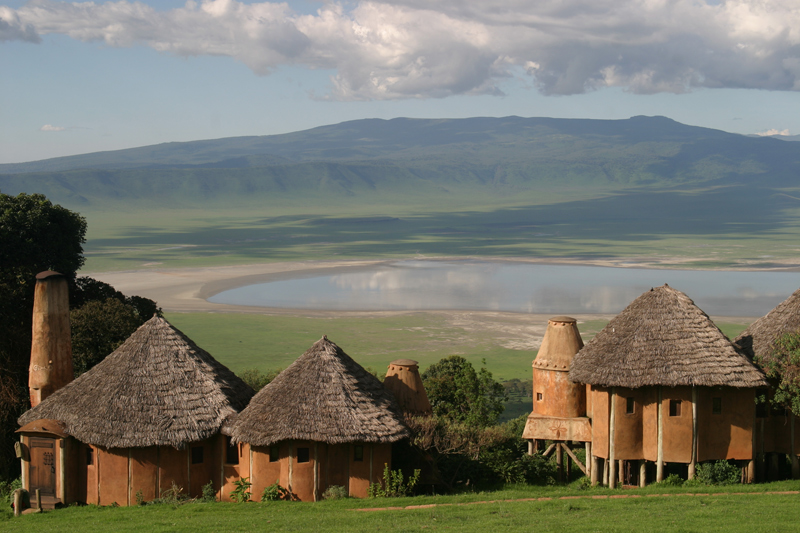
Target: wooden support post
660,453
560,462
549,449
568,461
595,472
751,471
38,501
575,460
642,473
693,463
621,473
17,502
589,461
531,446
612,459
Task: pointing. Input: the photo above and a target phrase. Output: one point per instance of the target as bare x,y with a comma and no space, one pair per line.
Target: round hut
776,429
145,418
667,387
323,421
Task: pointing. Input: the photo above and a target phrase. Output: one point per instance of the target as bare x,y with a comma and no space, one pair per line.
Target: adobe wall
601,408
727,434
232,471
559,396
628,442
677,430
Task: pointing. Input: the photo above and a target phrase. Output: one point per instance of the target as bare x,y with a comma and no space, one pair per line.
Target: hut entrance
43,466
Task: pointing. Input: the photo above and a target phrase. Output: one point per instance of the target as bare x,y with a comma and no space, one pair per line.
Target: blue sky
79,78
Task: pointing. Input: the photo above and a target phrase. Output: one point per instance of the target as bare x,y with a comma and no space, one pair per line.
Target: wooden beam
575,459
549,449
660,453
612,459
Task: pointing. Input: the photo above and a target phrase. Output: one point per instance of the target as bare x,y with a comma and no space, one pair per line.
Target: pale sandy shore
187,289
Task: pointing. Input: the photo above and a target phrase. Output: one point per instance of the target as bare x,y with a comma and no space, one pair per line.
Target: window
231,452
274,454
674,408
303,455
89,455
538,396
197,455
762,406
358,453
630,405
716,406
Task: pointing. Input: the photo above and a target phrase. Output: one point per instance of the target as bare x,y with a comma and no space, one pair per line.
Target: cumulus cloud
384,49
773,132
50,127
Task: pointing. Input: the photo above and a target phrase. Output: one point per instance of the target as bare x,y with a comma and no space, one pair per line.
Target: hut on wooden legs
323,421
776,431
147,417
667,387
559,405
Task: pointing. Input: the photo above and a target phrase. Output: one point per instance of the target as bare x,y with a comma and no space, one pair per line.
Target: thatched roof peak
324,396
760,337
157,389
663,338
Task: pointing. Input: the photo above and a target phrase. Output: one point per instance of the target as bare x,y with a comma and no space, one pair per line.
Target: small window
274,454
89,455
716,406
197,455
538,396
358,453
231,452
630,406
762,404
674,408
303,455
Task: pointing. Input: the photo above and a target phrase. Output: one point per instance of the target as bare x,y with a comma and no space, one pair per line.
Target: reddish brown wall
113,470
677,432
144,473
560,397
650,423
628,427
337,466
202,473
233,472
359,473
729,434
600,411
265,473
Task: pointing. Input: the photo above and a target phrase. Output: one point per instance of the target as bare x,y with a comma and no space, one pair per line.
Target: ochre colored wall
172,468
202,473
144,473
677,431
560,397
113,470
628,427
266,473
359,473
233,472
337,466
302,474
600,411
650,423
92,477
729,434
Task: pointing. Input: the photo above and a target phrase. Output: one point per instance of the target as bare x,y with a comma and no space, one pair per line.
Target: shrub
241,493
672,480
393,484
335,492
275,492
718,473
209,493
258,379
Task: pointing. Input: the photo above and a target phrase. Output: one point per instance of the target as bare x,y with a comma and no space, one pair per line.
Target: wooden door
43,466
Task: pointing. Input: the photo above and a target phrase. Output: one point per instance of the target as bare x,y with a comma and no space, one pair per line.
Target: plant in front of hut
241,493
275,492
393,484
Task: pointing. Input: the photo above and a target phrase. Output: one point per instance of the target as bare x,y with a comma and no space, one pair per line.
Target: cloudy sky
87,76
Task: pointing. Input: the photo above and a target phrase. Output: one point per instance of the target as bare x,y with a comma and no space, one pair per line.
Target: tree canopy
783,365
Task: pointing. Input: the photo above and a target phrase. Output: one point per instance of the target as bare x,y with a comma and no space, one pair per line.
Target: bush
241,493
275,492
672,480
718,473
393,484
209,493
258,379
335,492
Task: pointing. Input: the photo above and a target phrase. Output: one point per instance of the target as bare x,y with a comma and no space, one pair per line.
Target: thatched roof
323,396
157,389
760,337
663,338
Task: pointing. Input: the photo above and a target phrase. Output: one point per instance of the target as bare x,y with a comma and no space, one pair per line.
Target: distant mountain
498,156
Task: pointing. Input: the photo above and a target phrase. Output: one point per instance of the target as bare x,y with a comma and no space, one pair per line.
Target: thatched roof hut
759,338
663,338
324,396
157,389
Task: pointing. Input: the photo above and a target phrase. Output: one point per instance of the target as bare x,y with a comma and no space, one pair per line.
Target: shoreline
186,289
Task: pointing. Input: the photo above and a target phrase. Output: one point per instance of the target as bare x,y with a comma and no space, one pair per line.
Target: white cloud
436,48
50,127
773,132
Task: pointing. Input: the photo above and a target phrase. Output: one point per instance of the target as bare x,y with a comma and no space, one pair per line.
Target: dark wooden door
43,466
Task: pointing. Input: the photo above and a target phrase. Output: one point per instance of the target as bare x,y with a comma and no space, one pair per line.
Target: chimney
553,393
404,382
51,347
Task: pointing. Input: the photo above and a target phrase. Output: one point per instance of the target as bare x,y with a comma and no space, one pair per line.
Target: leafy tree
98,328
258,379
458,393
783,364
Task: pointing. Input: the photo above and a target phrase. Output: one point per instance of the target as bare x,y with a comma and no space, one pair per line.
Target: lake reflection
517,287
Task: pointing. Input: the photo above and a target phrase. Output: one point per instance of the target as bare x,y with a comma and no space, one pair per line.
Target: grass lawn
651,509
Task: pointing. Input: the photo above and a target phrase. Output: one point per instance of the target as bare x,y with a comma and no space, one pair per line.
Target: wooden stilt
574,458
595,478
531,447
642,473
612,459
660,456
589,461
621,473
751,471
38,501
693,462
567,461
605,472
560,462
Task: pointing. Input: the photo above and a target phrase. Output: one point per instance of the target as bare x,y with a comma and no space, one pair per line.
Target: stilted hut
776,432
323,421
147,417
667,387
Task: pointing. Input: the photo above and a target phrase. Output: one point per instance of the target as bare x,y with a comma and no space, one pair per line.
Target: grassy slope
708,513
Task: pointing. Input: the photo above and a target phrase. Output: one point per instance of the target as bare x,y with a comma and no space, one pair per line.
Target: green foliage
139,497
258,379
458,393
209,492
783,364
172,496
393,484
335,492
718,473
672,480
7,489
274,492
241,493
99,328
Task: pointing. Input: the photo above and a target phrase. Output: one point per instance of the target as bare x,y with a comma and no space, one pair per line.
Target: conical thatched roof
663,338
157,389
323,396
759,338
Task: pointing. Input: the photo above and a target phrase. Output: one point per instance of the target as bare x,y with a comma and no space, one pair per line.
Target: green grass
592,510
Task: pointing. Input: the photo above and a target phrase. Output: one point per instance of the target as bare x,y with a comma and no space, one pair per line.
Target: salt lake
514,287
